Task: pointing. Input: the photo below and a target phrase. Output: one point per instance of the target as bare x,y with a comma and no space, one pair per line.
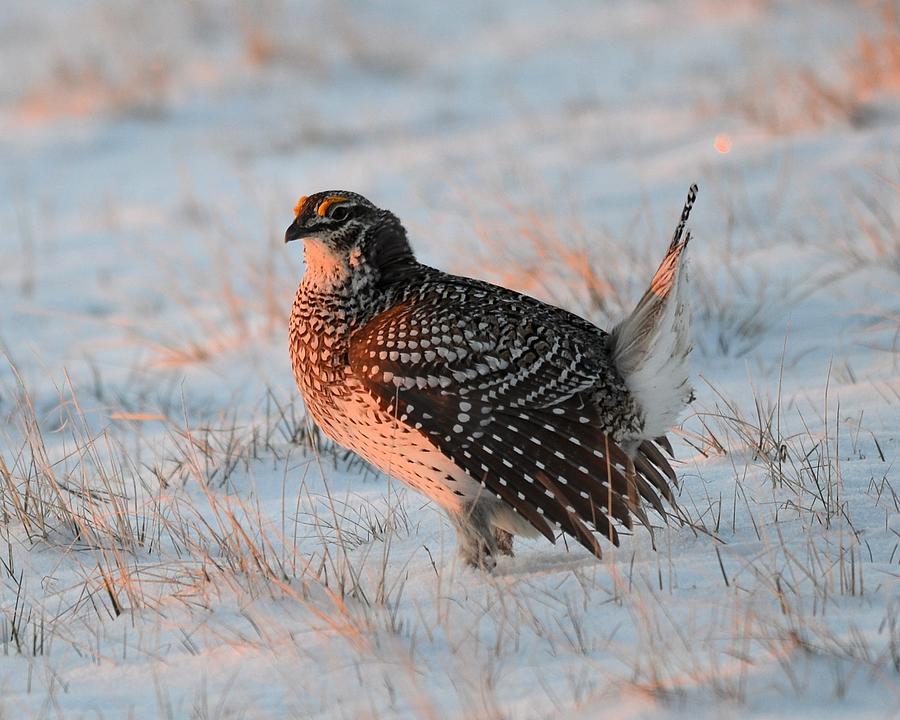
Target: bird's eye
340,212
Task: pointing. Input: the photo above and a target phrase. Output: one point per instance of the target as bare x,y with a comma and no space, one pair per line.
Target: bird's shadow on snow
543,563
538,561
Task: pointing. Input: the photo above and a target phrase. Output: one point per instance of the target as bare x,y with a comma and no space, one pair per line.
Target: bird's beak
295,231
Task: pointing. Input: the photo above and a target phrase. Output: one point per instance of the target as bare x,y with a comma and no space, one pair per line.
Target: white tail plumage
651,346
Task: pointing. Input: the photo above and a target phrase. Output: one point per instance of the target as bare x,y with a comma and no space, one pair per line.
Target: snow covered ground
177,541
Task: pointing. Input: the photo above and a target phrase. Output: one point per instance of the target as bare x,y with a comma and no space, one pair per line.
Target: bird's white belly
357,423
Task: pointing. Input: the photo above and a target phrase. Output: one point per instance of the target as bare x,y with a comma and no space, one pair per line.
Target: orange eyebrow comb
328,202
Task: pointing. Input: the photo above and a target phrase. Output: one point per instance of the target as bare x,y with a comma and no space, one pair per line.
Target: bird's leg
504,541
474,536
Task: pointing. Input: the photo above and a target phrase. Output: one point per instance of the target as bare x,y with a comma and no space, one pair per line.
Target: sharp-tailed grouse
515,416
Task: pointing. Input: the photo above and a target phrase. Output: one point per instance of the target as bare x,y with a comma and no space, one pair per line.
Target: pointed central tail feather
651,346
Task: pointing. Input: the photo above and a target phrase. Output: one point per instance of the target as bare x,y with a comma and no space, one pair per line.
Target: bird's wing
507,387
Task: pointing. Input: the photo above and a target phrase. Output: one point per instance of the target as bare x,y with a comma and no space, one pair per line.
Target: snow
177,540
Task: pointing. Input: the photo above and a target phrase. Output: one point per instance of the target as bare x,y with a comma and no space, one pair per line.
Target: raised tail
651,346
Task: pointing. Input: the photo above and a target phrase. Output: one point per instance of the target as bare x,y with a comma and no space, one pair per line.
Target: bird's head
343,231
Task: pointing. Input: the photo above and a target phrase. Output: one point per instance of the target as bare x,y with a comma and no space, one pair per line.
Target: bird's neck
334,296
388,252
331,274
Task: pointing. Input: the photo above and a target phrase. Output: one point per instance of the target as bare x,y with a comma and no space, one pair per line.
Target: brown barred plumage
515,416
